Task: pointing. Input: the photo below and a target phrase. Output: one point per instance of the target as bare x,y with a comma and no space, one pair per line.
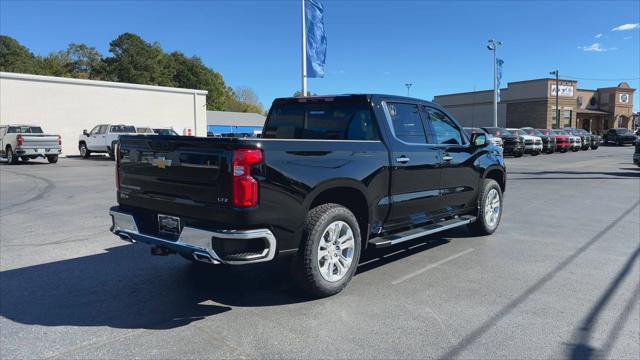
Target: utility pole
555,72
408,85
492,45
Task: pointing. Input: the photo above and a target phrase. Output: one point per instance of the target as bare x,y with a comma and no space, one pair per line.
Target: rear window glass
122,129
25,130
407,123
326,120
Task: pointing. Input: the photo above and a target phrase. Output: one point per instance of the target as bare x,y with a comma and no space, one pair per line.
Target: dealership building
67,106
533,103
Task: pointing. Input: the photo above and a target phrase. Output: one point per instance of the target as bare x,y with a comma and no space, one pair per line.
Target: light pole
408,85
557,74
492,45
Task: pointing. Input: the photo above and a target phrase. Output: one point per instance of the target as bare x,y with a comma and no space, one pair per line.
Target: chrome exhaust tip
204,257
126,237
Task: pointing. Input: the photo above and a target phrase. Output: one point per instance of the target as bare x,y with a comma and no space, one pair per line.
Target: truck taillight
116,154
245,188
59,140
19,140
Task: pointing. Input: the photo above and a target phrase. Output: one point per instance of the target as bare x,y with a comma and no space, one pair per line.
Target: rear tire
329,250
489,209
12,159
84,151
52,159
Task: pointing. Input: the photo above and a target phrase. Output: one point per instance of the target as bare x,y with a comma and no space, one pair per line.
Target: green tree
191,73
54,64
136,61
85,62
243,99
299,93
14,57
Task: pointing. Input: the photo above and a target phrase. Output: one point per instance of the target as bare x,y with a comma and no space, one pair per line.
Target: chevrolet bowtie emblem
161,163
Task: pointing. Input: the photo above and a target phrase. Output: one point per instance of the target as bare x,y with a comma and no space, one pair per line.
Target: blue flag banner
499,63
316,38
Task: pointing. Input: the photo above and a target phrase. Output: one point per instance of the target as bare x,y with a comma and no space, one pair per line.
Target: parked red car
562,140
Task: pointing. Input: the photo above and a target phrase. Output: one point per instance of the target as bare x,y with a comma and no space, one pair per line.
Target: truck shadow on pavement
127,288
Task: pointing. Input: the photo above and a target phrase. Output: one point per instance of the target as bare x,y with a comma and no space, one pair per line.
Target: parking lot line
434,265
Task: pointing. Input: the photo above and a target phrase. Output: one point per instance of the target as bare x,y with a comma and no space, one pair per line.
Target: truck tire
489,209
329,250
52,159
84,151
12,159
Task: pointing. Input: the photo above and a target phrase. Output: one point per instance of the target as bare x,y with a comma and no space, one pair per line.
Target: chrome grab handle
447,158
403,159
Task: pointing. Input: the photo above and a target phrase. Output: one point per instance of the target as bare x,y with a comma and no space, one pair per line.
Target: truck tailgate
171,172
40,141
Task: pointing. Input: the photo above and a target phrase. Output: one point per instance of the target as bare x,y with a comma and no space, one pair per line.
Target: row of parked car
27,142
102,138
527,140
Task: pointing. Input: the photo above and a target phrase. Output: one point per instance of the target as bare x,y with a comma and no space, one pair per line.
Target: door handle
403,159
447,158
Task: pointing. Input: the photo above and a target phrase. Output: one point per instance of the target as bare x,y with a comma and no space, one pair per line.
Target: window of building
407,124
566,118
554,118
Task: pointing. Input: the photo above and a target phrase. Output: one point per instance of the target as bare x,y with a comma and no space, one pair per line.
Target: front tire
329,250
489,209
84,151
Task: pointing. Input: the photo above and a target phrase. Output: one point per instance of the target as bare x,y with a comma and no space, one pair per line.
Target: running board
392,239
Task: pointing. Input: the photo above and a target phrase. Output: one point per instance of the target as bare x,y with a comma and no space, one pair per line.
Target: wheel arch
348,194
498,174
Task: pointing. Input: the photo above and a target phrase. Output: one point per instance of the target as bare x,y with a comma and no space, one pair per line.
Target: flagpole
304,52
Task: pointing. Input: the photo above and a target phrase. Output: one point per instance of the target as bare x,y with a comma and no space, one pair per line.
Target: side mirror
479,139
84,132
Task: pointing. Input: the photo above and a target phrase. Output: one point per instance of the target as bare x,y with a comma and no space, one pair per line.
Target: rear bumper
197,243
35,151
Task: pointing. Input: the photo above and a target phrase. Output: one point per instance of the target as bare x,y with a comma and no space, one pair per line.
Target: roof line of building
101,83
534,80
468,92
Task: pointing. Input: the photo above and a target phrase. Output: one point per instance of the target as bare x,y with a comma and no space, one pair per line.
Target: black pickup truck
330,176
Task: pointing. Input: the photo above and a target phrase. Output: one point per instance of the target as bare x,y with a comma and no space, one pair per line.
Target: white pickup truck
26,142
102,139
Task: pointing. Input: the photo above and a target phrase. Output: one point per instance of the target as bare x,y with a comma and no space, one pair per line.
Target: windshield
497,131
348,120
169,132
25,130
518,132
144,130
546,132
122,129
470,131
622,131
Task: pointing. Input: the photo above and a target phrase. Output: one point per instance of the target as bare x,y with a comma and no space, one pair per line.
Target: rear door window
120,129
407,123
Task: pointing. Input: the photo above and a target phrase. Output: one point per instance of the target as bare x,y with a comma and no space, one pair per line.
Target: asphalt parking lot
559,279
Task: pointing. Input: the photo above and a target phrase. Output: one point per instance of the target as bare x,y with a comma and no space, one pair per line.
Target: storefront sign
565,90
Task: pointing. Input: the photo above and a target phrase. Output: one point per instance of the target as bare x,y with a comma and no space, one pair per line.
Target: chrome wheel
83,150
10,159
492,208
335,251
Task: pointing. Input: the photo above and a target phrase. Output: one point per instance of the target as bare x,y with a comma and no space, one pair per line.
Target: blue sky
373,46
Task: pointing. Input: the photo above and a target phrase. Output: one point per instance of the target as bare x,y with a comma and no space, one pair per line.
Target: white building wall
67,106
